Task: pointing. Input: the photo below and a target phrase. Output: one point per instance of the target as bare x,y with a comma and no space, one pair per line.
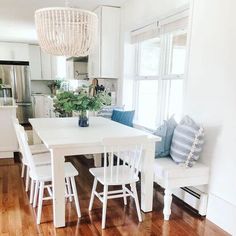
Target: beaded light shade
65,31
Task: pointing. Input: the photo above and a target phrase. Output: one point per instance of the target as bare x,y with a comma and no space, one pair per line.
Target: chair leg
167,204
104,207
27,179
124,193
36,193
134,190
72,179
97,160
40,202
69,188
92,194
22,170
32,191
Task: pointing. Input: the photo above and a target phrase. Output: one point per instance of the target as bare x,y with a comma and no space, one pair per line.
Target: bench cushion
167,173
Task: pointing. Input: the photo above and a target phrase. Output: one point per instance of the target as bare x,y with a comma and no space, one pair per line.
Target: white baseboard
4,155
222,213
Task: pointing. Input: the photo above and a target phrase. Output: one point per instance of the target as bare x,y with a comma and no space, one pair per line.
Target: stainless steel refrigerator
16,75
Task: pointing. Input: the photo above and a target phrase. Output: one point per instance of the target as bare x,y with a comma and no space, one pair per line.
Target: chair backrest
124,155
24,146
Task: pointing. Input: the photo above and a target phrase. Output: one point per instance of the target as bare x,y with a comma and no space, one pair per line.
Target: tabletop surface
58,132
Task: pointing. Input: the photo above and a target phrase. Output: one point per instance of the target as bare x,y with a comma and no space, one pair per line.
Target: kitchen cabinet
35,62
44,66
14,51
8,140
38,106
48,107
103,61
43,106
58,67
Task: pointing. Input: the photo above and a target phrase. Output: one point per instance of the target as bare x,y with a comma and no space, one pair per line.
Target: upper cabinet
58,67
44,66
35,62
14,51
103,61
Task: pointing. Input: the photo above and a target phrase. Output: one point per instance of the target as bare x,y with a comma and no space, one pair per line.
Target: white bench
170,176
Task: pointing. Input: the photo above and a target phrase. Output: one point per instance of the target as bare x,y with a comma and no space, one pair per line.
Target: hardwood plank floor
17,217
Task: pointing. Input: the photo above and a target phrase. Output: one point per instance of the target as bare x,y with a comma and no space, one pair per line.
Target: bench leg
167,204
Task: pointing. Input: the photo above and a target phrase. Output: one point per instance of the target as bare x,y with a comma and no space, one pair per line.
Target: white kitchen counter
8,141
7,103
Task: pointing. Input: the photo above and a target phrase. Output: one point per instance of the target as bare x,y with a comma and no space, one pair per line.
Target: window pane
149,57
174,98
178,55
147,103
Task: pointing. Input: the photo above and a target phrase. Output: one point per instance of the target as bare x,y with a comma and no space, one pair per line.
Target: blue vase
83,119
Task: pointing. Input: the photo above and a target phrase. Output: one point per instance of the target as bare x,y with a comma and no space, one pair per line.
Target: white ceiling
17,16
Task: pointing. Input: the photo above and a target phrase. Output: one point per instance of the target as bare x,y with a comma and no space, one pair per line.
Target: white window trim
164,75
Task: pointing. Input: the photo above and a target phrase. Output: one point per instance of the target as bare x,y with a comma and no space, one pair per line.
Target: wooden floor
17,217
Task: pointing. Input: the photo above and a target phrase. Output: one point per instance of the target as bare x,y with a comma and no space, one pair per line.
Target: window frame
166,51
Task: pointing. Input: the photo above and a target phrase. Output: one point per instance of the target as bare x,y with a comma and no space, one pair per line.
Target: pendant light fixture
65,31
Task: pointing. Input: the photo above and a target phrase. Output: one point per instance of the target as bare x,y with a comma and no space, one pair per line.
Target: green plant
66,102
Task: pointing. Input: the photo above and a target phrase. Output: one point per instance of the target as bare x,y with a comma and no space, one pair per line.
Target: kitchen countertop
7,103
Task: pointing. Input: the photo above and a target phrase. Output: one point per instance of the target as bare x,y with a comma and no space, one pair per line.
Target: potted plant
67,102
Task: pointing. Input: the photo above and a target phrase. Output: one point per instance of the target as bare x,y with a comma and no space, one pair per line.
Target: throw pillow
106,111
165,131
123,117
187,142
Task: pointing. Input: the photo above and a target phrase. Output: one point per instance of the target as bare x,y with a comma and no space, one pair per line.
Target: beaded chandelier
65,31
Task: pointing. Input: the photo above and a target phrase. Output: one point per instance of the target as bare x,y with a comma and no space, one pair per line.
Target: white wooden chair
129,150
41,174
35,149
171,176
40,154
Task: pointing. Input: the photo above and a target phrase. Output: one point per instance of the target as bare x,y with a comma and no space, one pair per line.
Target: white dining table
64,137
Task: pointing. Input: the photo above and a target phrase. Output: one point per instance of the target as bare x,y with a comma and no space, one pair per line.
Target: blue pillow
123,117
166,132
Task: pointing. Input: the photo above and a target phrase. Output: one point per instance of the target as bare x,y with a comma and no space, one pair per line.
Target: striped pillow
106,111
187,142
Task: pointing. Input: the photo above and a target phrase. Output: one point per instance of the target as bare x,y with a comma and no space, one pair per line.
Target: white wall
211,100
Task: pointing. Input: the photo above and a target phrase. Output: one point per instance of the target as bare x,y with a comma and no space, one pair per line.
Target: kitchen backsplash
40,86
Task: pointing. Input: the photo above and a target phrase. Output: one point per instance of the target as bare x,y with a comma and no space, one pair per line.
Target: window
159,76
149,57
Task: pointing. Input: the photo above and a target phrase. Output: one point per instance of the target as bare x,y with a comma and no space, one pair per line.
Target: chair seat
124,176
42,159
38,148
168,174
44,173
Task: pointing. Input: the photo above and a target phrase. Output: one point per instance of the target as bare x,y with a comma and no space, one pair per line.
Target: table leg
147,177
58,182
